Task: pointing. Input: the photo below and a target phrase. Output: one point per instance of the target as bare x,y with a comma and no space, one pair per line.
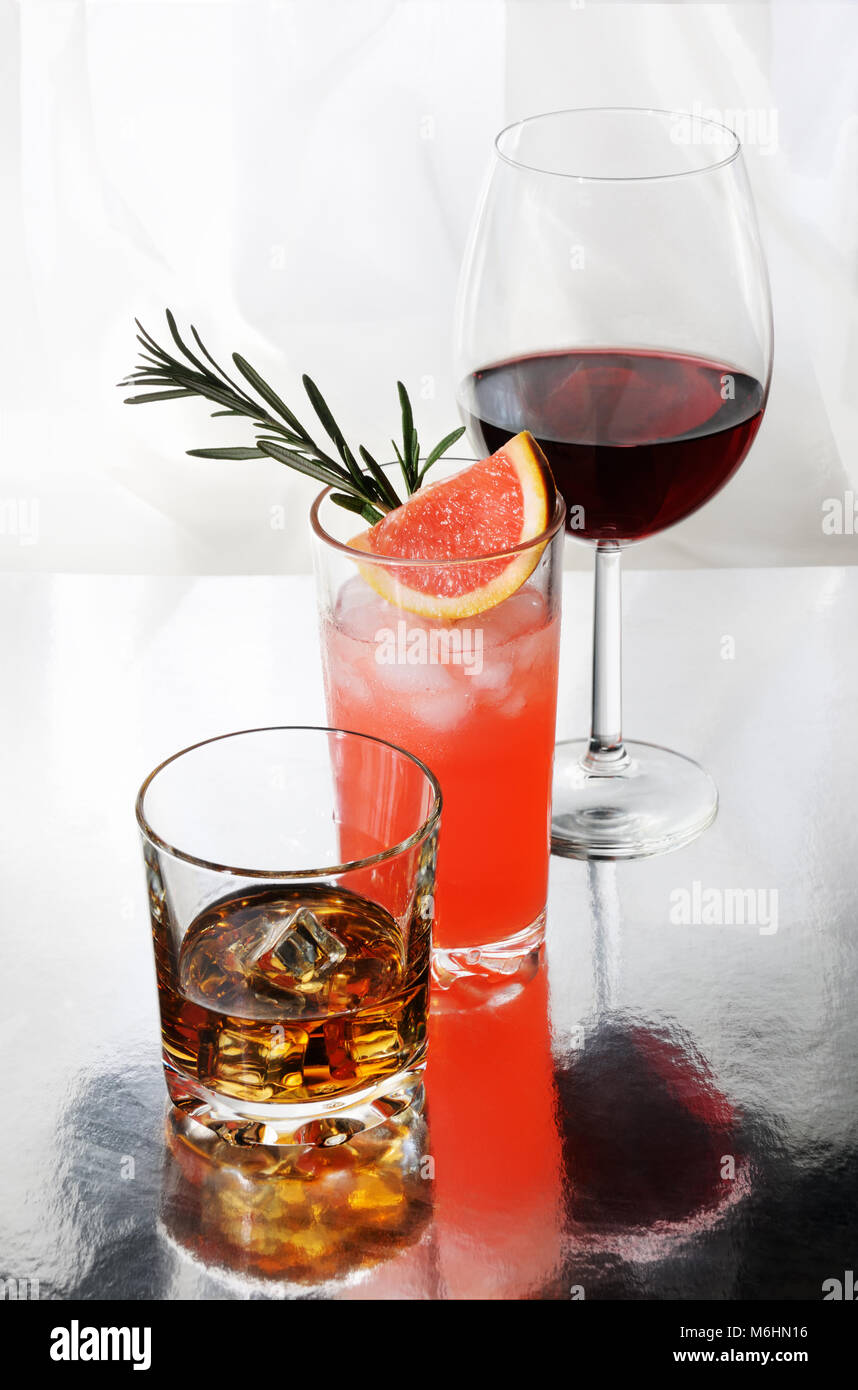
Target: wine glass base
653,802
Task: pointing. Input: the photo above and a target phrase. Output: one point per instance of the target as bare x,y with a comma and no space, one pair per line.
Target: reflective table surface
665,1109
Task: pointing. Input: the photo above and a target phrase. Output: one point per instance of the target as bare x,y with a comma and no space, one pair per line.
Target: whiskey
292,994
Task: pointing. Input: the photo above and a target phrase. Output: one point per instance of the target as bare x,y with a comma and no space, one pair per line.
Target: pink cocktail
475,699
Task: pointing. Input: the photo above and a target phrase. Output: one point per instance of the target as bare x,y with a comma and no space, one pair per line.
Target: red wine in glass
614,301
637,440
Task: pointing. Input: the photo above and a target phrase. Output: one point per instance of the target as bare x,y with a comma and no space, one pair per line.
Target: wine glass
614,301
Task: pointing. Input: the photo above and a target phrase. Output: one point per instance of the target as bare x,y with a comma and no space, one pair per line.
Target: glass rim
426,827
701,121
365,557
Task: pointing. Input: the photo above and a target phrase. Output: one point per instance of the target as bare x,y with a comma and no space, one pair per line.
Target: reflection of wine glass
614,301
653,1149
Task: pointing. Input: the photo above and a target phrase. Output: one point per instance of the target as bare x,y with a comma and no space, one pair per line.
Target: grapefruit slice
495,505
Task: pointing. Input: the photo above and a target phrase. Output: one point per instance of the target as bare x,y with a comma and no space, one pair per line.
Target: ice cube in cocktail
440,628
484,723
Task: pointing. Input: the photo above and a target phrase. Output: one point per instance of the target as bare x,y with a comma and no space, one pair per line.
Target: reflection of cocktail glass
476,700
291,879
614,301
499,1202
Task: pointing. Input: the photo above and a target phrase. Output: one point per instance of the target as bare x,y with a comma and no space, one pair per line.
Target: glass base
319,1125
496,959
645,802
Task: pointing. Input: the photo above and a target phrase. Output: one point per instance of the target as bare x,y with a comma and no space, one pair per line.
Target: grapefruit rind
538,496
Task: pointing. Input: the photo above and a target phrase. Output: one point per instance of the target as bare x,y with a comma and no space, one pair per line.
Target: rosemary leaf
305,465
157,396
270,397
354,504
415,456
446,443
406,458
228,379
238,453
179,344
382,481
330,426
149,343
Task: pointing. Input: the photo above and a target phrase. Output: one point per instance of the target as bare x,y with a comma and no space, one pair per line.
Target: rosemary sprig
279,434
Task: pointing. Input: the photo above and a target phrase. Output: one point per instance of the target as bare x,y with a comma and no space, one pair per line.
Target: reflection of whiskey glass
291,880
298,1218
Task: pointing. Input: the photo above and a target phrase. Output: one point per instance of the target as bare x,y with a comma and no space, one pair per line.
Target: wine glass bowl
636,439
614,301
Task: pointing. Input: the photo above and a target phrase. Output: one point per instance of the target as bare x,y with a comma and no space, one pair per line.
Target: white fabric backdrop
297,177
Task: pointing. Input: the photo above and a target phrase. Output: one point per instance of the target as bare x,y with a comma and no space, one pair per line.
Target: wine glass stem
606,752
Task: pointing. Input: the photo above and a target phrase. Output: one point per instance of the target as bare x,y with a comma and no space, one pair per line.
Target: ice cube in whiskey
293,994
